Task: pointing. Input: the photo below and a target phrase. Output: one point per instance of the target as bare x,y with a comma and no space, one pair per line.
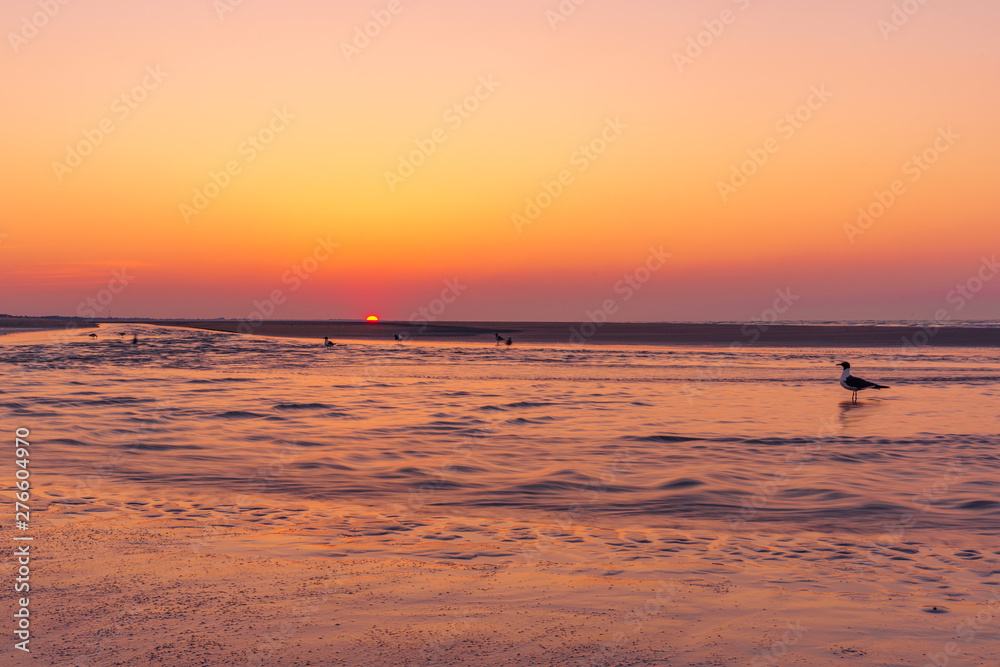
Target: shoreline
615,333
15,325
664,334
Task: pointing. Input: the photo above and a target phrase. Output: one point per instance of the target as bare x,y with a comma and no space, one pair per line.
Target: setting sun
372,318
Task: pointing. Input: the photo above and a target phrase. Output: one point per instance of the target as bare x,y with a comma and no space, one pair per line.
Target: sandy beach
203,499
144,584
616,333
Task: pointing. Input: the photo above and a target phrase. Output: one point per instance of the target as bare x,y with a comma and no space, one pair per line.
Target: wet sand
615,333
206,499
397,590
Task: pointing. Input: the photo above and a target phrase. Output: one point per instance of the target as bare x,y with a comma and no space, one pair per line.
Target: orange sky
118,112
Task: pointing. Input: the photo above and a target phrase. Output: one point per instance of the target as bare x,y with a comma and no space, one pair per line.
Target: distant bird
122,334
398,338
853,384
499,338
510,341
93,335
327,342
135,339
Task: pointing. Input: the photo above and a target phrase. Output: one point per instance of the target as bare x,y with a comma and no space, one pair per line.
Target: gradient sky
65,230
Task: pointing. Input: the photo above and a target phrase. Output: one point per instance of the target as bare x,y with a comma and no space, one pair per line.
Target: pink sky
208,154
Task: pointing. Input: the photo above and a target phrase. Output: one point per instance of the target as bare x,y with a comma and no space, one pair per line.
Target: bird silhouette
853,384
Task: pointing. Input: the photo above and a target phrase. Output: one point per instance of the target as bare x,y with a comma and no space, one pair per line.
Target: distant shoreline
10,325
663,334
616,333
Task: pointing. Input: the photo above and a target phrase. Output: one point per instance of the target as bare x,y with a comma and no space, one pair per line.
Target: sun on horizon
686,170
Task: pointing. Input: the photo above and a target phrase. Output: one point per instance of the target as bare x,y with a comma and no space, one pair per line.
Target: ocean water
203,426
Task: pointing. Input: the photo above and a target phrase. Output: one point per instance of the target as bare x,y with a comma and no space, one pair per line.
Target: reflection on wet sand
558,489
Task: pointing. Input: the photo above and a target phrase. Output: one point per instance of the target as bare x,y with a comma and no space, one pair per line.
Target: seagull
851,383
135,339
499,338
398,337
327,342
93,335
510,341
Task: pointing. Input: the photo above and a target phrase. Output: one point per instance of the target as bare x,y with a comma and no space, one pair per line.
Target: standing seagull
327,342
851,383
510,341
499,338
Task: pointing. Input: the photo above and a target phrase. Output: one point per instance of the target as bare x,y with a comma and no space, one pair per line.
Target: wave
302,406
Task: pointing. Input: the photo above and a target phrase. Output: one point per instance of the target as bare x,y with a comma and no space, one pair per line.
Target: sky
635,160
